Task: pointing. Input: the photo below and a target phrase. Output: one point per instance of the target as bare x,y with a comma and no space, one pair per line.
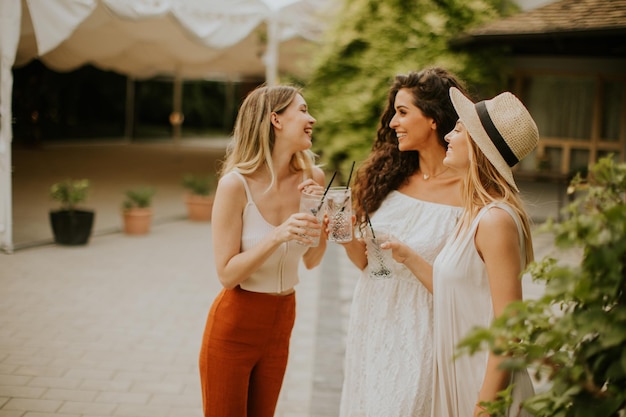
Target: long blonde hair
254,137
485,185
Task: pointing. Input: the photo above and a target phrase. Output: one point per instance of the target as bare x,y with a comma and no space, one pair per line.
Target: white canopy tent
143,38
182,39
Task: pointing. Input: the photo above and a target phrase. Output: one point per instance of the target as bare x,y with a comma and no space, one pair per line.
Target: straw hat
502,128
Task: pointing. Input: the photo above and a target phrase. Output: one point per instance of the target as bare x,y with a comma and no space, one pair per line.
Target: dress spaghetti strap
245,184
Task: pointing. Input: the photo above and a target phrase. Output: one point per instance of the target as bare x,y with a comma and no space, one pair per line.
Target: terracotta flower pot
199,207
137,221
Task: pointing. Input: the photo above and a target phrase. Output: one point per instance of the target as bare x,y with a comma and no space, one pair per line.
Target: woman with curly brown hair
406,190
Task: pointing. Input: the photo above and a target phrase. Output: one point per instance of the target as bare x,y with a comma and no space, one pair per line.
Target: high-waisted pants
244,353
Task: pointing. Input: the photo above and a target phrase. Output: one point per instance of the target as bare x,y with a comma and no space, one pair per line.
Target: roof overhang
595,43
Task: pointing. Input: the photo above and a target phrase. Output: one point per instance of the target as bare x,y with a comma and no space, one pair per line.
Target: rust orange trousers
244,353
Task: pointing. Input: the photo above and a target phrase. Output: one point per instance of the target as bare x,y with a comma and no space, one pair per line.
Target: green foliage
202,185
575,335
371,42
70,192
140,197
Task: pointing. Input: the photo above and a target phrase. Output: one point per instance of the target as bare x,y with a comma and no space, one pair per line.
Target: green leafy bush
140,197
574,336
70,192
369,43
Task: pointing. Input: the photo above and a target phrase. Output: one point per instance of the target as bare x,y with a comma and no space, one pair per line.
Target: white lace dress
389,354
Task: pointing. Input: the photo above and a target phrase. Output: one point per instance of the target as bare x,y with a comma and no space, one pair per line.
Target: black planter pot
71,227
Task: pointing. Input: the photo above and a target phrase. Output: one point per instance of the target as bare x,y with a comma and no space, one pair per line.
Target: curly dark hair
386,168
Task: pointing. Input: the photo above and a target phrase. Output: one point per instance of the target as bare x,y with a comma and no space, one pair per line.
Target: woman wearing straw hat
477,274
259,239
406,189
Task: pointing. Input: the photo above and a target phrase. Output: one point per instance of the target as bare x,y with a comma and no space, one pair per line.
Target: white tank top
279,272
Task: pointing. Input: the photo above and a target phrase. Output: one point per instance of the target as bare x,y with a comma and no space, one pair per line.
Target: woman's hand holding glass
399,250
300,227
311,202
379,258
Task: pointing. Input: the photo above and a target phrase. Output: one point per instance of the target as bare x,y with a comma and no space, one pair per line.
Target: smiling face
295,124
458,153
413,129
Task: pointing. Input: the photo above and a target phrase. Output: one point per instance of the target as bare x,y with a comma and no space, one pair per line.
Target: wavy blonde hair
254,137
484,185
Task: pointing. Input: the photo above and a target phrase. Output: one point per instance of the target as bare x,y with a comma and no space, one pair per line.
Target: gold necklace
428,176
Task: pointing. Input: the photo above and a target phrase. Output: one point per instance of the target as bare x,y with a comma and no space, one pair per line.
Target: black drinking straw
343,205
325,191
350,176
367,217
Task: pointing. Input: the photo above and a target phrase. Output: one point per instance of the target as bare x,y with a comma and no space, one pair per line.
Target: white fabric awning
188,38
183,39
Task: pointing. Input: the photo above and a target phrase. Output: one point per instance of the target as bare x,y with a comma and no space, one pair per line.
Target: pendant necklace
428,176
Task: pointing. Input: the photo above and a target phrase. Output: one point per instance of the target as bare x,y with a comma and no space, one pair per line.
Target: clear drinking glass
339,212
312,203
379,261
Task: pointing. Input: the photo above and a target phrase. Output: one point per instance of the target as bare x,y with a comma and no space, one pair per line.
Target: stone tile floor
113,328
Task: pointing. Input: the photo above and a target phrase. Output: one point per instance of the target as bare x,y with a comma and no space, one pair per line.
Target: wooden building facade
568,65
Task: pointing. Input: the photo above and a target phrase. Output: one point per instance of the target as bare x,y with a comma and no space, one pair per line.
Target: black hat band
494,134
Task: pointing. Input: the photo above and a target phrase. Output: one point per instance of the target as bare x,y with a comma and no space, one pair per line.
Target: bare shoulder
230,180
497,237
495,223
230,188
318,175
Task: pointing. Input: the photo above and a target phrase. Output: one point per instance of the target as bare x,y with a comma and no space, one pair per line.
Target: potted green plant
71,225
137,210
200,195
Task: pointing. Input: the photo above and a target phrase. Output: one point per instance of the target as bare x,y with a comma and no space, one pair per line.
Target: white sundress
461,301
388,362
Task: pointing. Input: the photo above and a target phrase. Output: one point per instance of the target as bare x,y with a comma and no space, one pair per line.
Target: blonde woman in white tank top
478,272
259,239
